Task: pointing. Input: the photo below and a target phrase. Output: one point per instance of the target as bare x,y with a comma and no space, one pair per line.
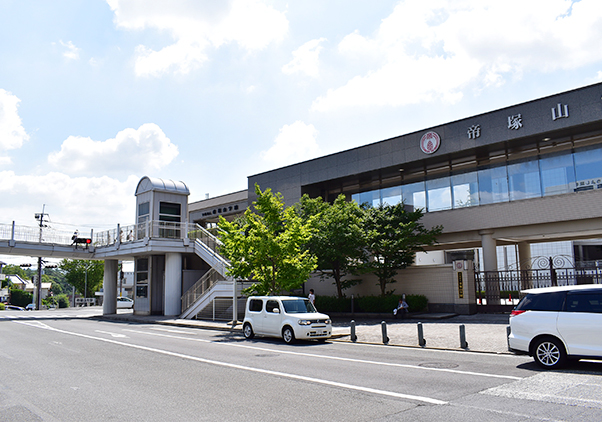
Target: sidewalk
484,332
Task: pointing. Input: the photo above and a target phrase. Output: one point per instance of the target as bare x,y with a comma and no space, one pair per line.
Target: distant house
27,285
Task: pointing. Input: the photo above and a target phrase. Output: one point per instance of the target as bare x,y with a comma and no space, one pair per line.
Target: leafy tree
393,236
338,238
75,274
267,245
20,297
12,269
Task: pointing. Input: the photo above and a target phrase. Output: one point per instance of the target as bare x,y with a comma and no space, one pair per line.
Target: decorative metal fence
499,291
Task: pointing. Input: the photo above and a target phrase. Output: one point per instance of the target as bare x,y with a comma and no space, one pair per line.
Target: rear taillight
515,313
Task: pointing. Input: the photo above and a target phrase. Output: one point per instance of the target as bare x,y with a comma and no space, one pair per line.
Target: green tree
267,246
12,269
338,238
20,297
78,271
393,236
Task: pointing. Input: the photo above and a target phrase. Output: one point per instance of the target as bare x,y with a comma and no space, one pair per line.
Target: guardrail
120,234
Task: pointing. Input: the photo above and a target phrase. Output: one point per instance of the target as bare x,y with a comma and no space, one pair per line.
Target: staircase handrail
205,236
198,289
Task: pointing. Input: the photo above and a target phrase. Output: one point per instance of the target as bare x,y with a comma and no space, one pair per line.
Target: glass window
372,198
465,189
414,195
391,196
144,208
271,305
542,302
438,194
493,185
588,171
557,174
584,302
523,180
298,306
256,305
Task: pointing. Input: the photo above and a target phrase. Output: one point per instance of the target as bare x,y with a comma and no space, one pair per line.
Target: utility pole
42,219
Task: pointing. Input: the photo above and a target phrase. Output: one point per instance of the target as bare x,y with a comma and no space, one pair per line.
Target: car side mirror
276,310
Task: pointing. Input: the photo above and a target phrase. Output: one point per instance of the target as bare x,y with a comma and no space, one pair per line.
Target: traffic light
24,265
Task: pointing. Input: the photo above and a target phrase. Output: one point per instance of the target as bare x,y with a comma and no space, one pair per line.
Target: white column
173,284
524,255
489,250
109,287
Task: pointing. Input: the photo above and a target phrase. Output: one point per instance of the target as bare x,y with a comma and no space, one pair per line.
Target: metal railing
119,234
503,287
209,238
32,234
199,288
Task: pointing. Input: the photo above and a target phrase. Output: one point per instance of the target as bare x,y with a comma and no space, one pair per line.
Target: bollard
421,339
463,342
383,325
353,336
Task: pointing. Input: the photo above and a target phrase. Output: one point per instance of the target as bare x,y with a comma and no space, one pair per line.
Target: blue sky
95,94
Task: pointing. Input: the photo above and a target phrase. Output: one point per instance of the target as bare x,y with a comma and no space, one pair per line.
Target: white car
124,302
288,317
554,324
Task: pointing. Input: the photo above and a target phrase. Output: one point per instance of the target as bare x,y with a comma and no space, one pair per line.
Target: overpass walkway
127,243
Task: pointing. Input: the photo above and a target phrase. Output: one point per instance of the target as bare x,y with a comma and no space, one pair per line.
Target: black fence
499,291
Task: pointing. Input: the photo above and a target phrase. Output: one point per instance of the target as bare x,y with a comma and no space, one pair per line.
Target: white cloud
306,59
131,151
294,143
92,202
12,133
196,27
71,52
428,50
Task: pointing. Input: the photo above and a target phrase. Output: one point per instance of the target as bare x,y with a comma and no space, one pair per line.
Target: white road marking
169,330
429,400
116,335
399,365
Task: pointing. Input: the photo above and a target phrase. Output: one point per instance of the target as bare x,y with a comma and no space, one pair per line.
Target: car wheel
247,331
549,353
288,335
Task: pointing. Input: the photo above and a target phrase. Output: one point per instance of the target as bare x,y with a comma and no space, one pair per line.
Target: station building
509,187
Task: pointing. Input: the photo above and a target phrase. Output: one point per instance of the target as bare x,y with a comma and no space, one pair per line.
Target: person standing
312,297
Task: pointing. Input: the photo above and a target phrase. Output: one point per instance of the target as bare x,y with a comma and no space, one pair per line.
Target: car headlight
327,321
304,322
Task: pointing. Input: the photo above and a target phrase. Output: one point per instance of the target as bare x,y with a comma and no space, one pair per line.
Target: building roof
147,184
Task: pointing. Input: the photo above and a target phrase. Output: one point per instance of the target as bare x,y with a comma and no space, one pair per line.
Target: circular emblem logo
430,142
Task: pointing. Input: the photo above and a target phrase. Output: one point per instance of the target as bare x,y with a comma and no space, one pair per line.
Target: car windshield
298,306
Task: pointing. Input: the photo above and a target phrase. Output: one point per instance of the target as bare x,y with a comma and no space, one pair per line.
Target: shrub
371,304
333,304
2,306
62,300
20,297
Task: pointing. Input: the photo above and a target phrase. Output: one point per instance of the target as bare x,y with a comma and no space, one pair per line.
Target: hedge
20,297
369,304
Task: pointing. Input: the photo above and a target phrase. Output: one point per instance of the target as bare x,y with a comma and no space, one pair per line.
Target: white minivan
291,318
554,324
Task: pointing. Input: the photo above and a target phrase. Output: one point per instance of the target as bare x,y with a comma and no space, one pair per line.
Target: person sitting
402,307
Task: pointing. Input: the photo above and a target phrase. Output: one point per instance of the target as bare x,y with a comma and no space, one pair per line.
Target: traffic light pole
40,217
39,286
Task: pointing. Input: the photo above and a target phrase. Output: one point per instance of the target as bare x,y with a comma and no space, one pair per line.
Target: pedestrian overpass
178,268
129,243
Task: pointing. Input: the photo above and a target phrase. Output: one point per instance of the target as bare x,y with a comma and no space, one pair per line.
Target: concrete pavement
483,332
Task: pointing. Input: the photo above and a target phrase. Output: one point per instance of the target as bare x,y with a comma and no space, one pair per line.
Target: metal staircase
215,283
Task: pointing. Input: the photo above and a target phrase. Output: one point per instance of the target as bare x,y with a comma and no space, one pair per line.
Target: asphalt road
65,367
